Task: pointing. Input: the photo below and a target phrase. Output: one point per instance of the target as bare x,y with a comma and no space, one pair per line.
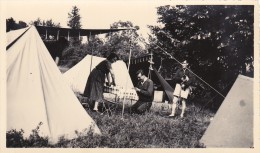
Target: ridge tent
77,76
14,35
37,93
232,126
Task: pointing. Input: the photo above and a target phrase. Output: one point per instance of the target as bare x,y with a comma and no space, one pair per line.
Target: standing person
96,80
145,92
183,79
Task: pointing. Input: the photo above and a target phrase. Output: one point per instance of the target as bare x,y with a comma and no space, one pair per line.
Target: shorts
181,93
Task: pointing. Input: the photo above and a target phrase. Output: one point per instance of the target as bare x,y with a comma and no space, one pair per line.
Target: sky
94,14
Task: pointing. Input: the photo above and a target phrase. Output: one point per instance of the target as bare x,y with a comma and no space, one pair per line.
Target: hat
185,62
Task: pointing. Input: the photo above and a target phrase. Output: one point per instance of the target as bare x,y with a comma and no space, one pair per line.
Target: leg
184,95
90,103
144,107
96,106
176,95
174,105
183,107
135,106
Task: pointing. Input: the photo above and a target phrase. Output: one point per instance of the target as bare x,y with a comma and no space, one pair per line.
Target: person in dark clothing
145,92
183,79
95,84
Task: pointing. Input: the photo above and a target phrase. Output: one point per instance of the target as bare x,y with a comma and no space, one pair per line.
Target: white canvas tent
77,76
13,35
36,92
232,126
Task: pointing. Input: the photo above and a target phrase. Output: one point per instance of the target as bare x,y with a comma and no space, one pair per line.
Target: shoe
171,115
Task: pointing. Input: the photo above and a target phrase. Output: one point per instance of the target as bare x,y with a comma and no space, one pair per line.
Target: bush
15,139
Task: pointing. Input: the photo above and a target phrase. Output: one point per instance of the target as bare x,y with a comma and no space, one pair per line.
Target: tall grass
151,130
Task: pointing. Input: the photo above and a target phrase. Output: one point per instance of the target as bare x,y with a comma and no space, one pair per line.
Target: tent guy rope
187,68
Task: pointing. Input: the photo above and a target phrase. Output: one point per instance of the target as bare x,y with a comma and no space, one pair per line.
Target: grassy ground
151,130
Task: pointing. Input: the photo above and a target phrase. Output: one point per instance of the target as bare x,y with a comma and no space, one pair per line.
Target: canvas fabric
232,126
37,93
77,76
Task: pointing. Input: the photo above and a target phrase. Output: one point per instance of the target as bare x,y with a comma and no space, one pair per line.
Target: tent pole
151,65
91,52
128,66
68,35
46,35
58,34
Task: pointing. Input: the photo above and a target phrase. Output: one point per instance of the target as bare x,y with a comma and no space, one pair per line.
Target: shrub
15,139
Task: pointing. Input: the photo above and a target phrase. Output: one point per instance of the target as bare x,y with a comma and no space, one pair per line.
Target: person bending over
95,84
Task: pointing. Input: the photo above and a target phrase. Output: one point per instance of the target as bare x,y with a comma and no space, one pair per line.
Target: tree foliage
216,40
121,42
12,25
76,52
117,42
48,23
74,18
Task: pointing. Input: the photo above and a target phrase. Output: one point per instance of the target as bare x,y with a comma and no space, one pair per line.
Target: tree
74,18
48,23
118,42
121,42
12,25
217,40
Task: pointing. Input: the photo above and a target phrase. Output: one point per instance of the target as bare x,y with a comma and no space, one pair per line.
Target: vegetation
16,139
74,18
152,130
119,42
48,23
216,40
12,25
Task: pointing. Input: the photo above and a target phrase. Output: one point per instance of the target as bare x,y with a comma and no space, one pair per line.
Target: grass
151,130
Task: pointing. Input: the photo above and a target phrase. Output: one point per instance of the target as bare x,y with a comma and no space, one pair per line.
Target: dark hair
112,55
140,71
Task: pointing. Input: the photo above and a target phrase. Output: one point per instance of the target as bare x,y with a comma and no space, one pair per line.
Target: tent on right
232,126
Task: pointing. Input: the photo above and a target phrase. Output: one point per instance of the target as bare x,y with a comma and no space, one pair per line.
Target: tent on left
36,92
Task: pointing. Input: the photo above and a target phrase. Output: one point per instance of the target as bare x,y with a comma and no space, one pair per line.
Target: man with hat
183,79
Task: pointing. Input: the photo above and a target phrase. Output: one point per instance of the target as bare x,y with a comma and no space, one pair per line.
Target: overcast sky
94,14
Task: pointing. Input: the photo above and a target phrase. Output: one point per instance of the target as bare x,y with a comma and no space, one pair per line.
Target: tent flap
166,87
